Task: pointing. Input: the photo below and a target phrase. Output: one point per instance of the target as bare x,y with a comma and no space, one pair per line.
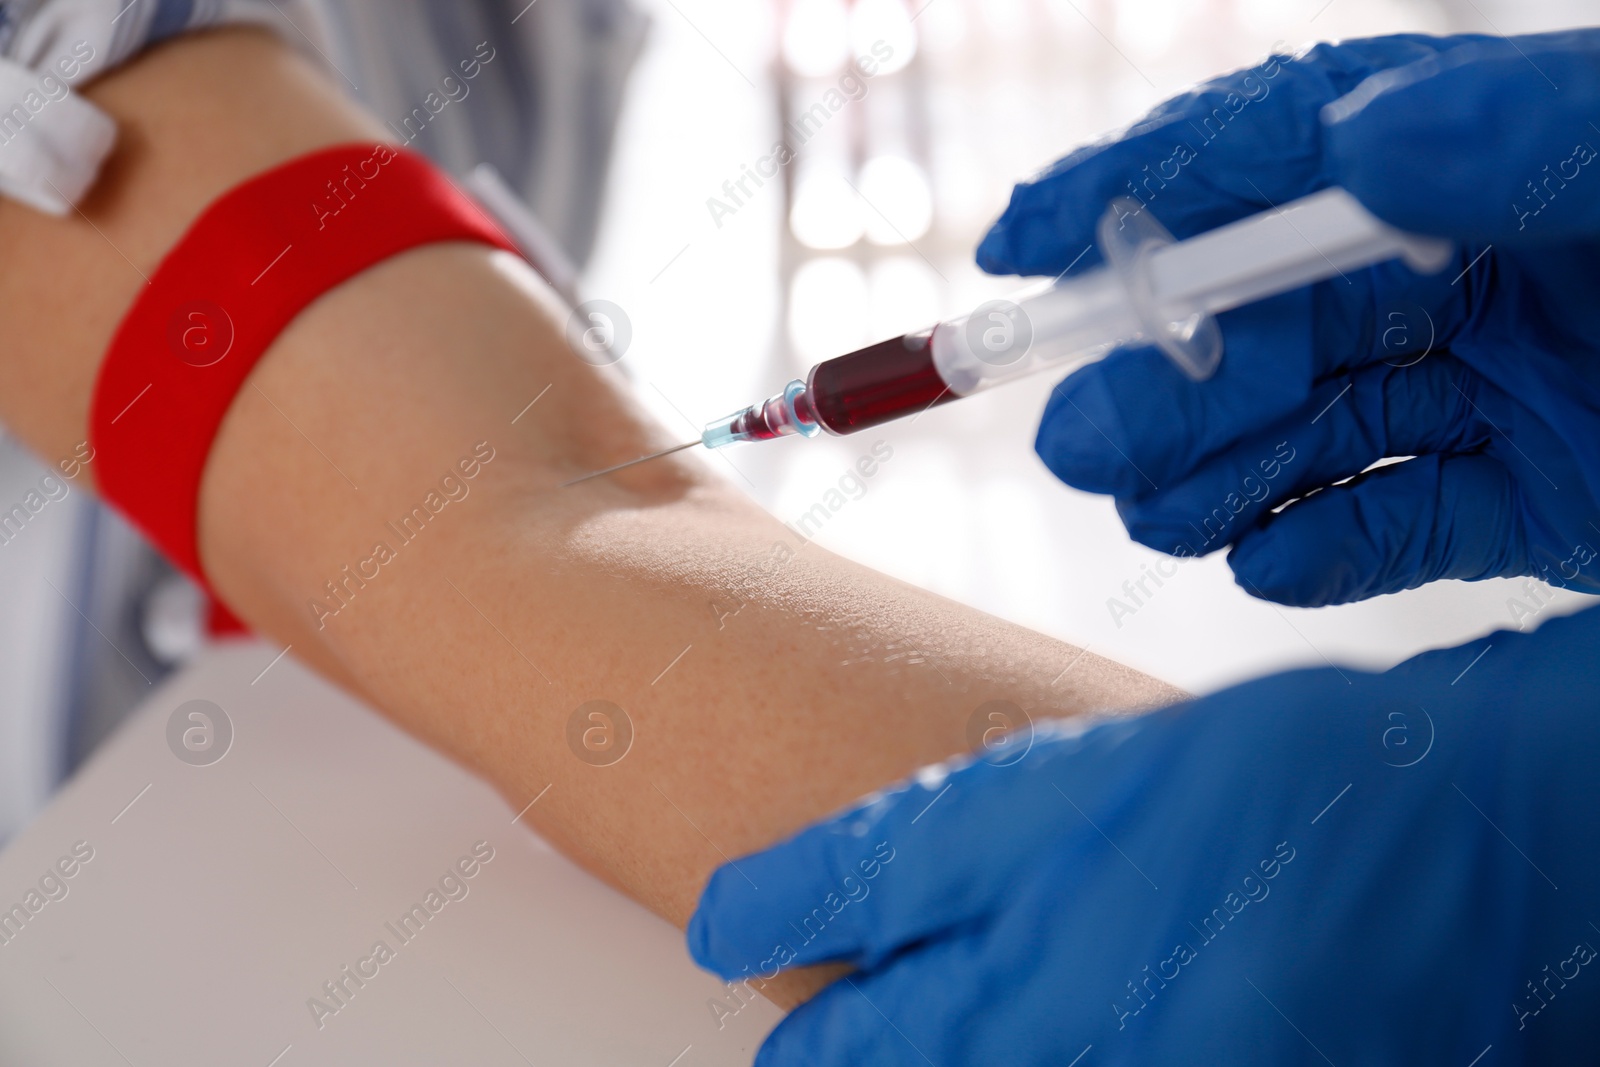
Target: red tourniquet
248,265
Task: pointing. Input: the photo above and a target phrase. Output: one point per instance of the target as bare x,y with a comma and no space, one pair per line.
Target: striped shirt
540,105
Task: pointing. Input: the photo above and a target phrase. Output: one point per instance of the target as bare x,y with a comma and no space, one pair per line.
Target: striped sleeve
52,140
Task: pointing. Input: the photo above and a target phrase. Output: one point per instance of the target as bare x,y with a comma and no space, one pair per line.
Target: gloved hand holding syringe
1152,290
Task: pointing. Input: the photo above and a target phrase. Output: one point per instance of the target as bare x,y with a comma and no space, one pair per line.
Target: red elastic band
251,262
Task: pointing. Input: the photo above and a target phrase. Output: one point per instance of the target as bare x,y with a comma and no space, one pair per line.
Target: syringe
1151,290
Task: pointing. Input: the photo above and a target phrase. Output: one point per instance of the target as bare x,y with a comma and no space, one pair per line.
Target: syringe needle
631,462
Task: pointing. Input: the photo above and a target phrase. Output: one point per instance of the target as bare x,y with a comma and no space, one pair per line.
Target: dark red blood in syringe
875,384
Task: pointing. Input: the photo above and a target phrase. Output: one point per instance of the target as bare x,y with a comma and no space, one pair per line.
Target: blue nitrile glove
1488,373
1318,867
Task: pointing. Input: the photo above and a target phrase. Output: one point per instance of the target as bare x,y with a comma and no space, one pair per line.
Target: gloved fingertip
1040,232
1274,568
1078,435
707,948
994,251
769,1055
787,1044
698,937
1154,527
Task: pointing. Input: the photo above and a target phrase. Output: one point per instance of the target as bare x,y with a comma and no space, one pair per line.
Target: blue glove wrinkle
1348,423
1395,528
1082,425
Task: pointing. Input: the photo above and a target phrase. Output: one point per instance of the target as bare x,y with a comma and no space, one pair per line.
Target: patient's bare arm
767,683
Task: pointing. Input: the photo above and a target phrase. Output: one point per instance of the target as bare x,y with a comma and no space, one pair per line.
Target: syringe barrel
1049,327
875,384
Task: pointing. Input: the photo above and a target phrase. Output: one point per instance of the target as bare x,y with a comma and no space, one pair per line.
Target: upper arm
194,116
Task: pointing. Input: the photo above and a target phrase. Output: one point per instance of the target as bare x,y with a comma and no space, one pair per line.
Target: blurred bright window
799,178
